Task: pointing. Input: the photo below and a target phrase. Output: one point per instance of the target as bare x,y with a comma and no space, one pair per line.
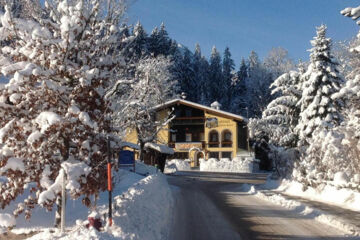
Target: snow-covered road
210,206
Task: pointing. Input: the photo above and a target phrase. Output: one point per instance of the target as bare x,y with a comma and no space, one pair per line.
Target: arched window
226,138
213,138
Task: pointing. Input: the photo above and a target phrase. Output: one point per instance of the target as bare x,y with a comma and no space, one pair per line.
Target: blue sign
126,157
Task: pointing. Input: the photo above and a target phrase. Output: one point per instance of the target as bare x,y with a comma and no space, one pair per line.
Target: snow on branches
321,81
53,109
152,85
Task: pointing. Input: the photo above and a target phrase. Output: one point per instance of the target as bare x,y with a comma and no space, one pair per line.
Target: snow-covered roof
160,148
202,107
130,145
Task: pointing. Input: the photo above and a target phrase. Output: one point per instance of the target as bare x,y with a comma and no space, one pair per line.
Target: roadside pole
109,180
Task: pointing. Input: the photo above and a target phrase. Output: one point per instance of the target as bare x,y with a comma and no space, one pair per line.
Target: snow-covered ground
274,190
141,210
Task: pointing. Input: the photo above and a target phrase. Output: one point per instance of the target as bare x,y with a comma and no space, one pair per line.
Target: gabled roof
201,107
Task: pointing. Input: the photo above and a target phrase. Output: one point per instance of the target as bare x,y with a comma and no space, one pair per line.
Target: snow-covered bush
53,110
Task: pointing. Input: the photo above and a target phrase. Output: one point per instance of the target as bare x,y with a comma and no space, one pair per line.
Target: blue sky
246,25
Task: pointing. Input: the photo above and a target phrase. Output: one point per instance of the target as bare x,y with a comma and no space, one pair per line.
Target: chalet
199,131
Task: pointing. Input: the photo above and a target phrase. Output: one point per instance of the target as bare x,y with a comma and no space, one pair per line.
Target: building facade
199,131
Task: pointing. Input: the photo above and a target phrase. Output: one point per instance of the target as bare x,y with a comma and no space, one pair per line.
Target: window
173,137
188,137
226,139
226,155
213,139
214,155
202,137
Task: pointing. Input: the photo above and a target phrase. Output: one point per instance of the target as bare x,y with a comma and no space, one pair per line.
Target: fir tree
227,74
215,85
238,90
321,81
138,45
282,114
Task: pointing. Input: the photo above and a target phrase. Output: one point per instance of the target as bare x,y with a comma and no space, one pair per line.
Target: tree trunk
58,198
141,154
58,212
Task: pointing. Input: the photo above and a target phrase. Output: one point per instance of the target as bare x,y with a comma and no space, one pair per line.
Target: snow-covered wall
247,165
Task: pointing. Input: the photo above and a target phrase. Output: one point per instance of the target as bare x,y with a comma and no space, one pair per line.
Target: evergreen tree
321,81
238,90
228,67
257,85
215,86
187,79
159,41
282,114
138,44
199,73
154,42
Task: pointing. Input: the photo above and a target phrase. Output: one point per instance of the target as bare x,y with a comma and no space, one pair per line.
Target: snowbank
303,209
247,164
141,212
174,165
341,197
144,169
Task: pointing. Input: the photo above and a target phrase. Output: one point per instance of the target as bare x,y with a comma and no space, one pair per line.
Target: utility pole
247,130
109,180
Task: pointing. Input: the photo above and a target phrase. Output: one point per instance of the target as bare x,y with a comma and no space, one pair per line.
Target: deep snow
141,210
341,197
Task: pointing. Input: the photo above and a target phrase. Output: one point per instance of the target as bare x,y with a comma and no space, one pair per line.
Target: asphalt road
212,206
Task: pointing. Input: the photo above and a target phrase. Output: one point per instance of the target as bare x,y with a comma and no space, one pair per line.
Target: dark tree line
243,91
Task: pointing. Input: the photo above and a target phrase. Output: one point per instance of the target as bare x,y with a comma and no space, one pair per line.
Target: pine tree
215,86
228,67
282,114
238,90
154,42
257,85
321,81
187,79
138,44
199,74
159,41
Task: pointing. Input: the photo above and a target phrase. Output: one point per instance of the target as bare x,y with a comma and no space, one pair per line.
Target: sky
246,25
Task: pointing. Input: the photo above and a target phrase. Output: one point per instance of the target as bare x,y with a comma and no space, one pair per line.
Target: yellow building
199,131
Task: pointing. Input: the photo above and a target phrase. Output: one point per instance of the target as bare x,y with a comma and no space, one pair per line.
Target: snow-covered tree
228,67
320,82
280,118
153,84
278,62
22,8
137,44
53,113
215,86
257,85
238,90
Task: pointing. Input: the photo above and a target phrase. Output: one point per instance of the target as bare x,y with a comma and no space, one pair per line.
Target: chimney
216,105
183,95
